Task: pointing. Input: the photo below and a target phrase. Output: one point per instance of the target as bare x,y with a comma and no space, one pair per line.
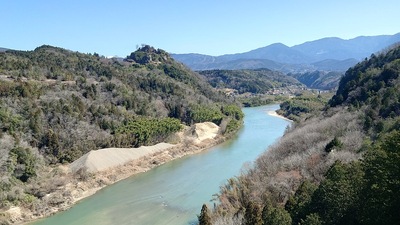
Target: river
173,193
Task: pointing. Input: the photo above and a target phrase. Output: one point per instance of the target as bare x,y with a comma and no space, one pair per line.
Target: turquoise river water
173,193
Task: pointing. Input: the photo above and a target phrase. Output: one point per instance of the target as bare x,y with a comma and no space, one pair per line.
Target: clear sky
212,27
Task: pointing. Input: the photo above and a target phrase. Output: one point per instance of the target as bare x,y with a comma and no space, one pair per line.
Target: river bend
174,192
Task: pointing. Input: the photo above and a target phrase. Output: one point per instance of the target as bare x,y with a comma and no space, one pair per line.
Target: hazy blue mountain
339,49
260,63
330,54
3,49
210,63
197,61
334,64
277,52
195,58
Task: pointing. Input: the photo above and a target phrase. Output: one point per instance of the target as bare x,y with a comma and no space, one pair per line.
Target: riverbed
173,193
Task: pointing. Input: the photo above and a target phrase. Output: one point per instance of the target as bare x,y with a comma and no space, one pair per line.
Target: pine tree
253,214
204,218
278,216
312,219
298,205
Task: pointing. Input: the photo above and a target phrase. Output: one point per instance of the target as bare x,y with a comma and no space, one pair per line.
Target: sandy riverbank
97,169
103,159
273,113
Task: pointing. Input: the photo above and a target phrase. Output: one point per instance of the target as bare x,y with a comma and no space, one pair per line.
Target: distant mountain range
328,54
3,49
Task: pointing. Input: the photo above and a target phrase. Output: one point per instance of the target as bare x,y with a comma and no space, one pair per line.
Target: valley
199,112
60,107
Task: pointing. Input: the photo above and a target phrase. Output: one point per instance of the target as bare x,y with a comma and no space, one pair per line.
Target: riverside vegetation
339,164
259,81
254,87
56,105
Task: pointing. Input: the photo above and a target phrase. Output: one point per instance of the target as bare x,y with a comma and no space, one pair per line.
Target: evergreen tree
278,216
381,191
299,205
267,210
312,219
336,198
253,214
335,143
204,217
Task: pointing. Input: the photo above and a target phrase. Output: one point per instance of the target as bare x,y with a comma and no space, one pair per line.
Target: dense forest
259,81
338,165
304,106
319,79
56,105
253,87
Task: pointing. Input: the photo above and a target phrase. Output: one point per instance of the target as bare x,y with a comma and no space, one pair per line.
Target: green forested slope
339,166
319,79
258,81
304,106
56,105
61,101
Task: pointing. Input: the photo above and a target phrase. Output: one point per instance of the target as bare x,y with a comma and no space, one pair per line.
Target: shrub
334,144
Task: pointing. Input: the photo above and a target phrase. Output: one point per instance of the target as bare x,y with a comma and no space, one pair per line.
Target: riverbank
275,114
174,192
79,183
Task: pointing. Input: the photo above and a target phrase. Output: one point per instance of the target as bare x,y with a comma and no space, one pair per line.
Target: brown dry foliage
297,156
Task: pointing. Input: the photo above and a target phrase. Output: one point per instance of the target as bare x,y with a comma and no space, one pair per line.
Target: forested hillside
56,105
258,81
319,79
339,166
304,106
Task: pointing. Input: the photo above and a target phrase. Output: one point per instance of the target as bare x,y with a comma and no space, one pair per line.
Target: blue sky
213,27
